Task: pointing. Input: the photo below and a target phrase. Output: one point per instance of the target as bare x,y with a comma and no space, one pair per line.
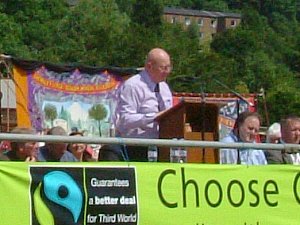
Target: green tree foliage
284,7
266,55
11,36
215,5
172,3
92,33
98,112
183,46
186,3
236,43
286,101
125,6
212,5
37,20
284,40
148,13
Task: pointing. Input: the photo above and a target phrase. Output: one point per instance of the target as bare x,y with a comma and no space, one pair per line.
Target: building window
173,20
213,23
233,23
200,22
187,21
201,35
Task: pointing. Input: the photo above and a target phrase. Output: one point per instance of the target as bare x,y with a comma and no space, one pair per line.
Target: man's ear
148,65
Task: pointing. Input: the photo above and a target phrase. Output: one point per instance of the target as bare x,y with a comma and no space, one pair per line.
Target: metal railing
144,142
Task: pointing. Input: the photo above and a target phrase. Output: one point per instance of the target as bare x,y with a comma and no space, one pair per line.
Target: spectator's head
290,129
158,65
247,126
74,130
57,149
77,149
273,133
23,149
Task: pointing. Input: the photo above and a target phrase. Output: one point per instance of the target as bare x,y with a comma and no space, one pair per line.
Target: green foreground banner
148,194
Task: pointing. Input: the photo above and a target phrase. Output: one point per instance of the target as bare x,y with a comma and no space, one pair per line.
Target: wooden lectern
191,120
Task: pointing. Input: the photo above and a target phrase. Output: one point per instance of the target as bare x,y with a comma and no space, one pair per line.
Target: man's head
57,149
24,150
158,65
247,126
290,129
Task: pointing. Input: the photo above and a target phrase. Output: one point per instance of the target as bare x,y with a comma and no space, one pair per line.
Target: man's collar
233,136
148,80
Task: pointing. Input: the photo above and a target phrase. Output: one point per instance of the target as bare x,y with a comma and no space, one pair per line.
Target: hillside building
209,22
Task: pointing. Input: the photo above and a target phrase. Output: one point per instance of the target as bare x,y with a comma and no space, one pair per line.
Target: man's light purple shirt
138,106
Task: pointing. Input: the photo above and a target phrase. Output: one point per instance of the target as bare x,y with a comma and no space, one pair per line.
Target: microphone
202,107
233,92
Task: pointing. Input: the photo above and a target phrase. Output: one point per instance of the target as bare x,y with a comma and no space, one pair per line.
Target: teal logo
57,193
83,195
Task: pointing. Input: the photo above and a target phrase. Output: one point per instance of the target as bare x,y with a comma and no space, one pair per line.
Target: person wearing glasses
141,99
290,134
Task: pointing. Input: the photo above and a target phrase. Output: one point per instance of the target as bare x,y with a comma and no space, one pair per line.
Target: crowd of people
141,99
246,130
49,152
287,132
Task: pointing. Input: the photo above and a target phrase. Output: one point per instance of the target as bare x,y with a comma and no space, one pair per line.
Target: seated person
56,152
113,152
21,151
81,151
290,134
245,130
5,146
273,133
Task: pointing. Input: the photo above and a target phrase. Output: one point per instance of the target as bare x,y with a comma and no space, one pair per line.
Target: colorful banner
70,97
230,111
148,193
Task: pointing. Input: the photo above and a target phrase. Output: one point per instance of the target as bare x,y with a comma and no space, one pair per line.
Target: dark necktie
161,105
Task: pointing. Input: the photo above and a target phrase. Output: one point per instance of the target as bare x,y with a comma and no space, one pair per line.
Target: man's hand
159,113
30,159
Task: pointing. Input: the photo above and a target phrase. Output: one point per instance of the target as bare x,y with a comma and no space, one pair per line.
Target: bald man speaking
141,99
